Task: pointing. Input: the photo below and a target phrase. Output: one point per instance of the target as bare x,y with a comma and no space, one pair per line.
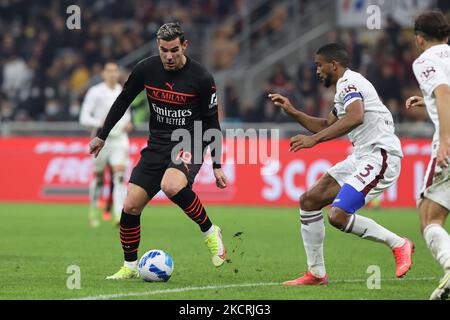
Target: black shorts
155,159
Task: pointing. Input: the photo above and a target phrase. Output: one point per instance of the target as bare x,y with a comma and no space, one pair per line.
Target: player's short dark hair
336,52
432,25
170,31
110,62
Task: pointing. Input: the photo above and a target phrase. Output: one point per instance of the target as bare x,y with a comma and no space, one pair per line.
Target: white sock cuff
131,264
309,214
428,227
307,217
209,231
348,228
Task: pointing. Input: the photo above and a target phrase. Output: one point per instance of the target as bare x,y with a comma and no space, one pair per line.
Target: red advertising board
42,169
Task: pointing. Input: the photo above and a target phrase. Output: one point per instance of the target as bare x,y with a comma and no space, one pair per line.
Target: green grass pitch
39,242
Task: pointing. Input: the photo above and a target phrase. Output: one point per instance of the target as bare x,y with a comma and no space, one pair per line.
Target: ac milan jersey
176,98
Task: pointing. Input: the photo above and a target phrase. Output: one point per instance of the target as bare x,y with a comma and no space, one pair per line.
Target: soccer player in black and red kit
179,91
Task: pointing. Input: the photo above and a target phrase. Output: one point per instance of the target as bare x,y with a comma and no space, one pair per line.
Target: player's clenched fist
95,146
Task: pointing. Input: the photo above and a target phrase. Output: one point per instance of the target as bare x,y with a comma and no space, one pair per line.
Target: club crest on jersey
350,88
428,73
443,54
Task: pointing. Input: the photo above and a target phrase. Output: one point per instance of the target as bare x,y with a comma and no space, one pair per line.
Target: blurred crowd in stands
45,69
266,24
386,61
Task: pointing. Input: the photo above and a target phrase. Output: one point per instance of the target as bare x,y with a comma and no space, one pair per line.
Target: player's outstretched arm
312,124
442,94
212,122
354,117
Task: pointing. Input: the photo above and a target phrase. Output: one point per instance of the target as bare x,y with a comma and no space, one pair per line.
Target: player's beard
327,82
170,67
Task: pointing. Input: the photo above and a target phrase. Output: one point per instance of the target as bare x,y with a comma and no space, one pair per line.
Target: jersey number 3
368,168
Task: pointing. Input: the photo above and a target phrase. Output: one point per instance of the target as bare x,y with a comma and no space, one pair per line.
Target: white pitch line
226,286
391,279
176,290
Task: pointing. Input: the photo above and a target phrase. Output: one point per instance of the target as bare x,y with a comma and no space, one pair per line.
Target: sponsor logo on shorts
360,179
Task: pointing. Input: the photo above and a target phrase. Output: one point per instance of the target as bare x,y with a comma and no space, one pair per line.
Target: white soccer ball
155,266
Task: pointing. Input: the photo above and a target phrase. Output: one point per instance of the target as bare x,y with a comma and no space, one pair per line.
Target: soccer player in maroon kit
179,91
